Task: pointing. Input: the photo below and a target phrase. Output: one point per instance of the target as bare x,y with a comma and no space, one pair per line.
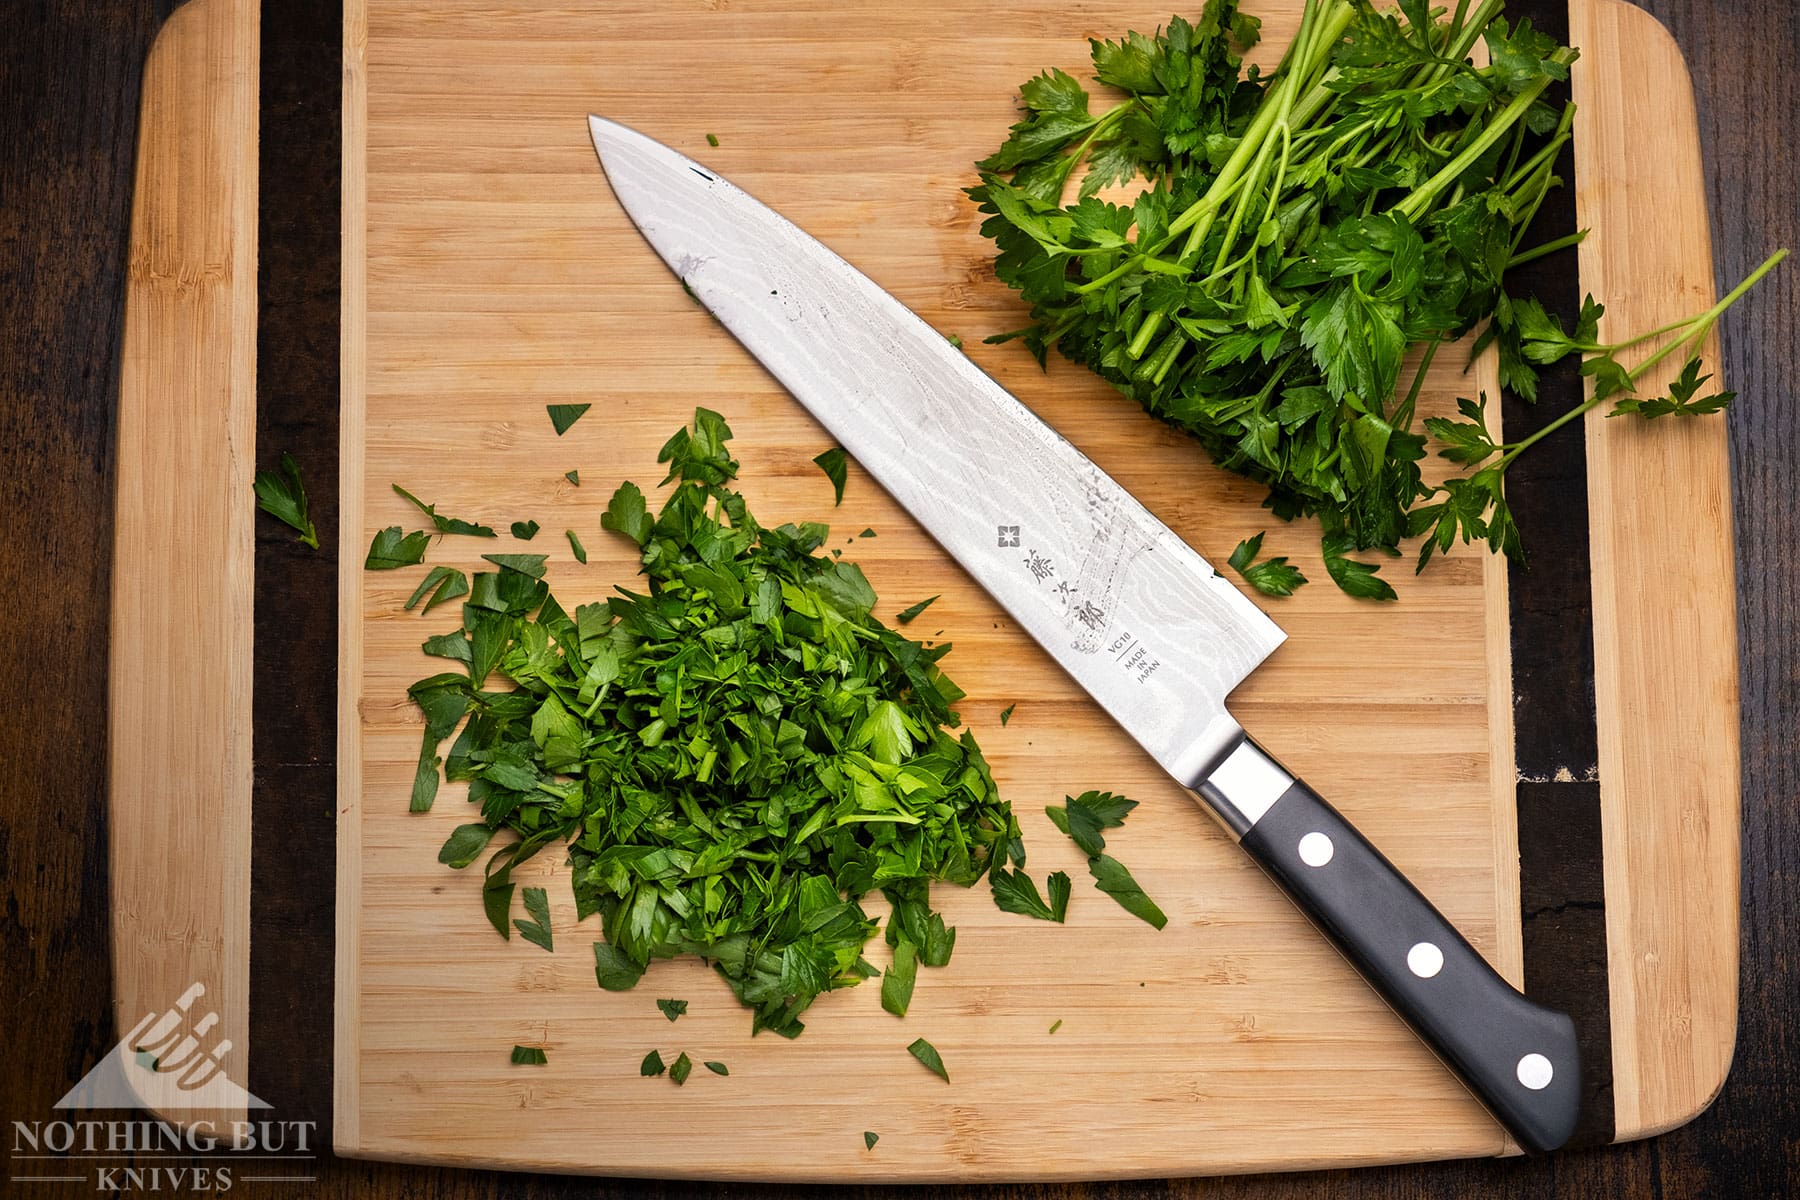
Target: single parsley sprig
1473,507
281,494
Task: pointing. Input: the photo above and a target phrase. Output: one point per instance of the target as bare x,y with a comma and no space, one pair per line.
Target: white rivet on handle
1316,849
1425,960
1535,1072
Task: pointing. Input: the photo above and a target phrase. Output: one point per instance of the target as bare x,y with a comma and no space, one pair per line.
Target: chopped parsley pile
1302,231
735,756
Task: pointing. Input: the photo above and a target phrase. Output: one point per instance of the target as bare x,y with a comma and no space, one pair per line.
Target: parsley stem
1699,326
1420,201
1561,243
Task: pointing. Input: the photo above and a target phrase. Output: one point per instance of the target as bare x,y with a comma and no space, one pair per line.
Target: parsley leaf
1014,892
613,969
529,1056
392,548
673,1008
1006,713
681,1068
897,981
445,524
441,584
625,513
832,462
537,907
525,530
1355,578
717,1068
524,564
652,1065
281,494
870,1137
926,1053
564,415
1272,576
1680,401
1113,879
905,616
573,477
576,546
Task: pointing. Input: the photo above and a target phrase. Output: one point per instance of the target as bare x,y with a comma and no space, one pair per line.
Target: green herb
652,1065
528,1056
1006,713
281,494
1304,230
867,533
537,907
1355,578
733,757
926,1053
832,462
1272,576
717,1068
564,415
524,564
1113,879
1014,892
870,1137
445,524
1056,1025
525,530
614,970
627,514
673,1008
441,584
1474,507
573,477
681,1068
954,340
712,139
1083,817
464,844
576,546
905,616
147,1060
443,699
897,980
392,548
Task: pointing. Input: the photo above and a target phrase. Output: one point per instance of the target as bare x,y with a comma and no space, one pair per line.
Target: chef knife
1155,635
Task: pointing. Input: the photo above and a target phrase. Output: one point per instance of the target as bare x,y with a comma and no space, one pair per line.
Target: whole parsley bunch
735,756
1300,234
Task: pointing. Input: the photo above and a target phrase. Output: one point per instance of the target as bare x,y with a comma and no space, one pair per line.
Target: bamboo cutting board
488,272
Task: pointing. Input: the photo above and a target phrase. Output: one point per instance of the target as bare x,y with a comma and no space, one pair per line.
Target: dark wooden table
69,75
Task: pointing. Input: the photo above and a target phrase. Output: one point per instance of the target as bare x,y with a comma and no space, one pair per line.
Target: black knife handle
1518,1057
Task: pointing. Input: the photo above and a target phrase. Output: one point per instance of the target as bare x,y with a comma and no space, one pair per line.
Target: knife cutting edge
1145,625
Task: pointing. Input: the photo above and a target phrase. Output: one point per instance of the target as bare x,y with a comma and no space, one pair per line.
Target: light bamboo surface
180,675
488,272
1665,612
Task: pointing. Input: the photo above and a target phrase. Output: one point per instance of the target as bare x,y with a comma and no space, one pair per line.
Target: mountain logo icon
163,1065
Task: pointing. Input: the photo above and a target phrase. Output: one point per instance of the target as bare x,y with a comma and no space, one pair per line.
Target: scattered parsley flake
832,462
926,1053
564,415
281,494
